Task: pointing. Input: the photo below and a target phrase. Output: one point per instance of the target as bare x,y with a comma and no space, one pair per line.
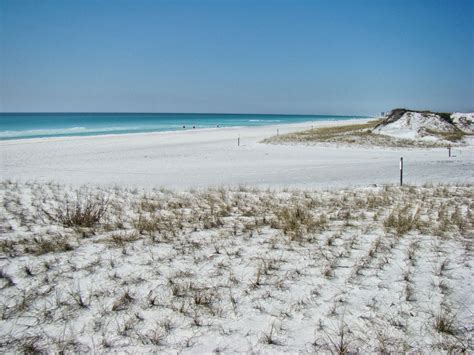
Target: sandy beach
211,157
225,177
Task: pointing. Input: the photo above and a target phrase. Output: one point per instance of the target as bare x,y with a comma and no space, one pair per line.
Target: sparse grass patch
454,136
52,244
8,280
297,221
270,337
358,134
402,220
86,210
122,238
123,302
326,134
445,322
204,270
339,342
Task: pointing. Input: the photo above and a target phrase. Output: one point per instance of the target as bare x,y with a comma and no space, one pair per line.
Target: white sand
464,121
209,157
414,125
243,271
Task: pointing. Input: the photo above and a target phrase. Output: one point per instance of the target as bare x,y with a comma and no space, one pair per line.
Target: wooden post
449,151
401,171
238,142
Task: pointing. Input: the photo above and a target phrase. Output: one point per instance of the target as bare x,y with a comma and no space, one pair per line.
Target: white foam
62,131
273,121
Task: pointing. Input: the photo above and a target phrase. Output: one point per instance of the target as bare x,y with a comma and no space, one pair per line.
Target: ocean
40,125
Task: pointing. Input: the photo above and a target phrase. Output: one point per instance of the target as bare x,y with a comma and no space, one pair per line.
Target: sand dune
369,270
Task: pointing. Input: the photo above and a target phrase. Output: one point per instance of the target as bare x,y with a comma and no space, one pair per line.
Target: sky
301,57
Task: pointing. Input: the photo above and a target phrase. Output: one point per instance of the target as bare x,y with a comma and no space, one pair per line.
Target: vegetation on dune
358,134
85,210
395,114
454,136
355,270
326,134
362,134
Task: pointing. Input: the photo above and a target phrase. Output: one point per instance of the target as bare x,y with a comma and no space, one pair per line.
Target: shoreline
211,157
186,130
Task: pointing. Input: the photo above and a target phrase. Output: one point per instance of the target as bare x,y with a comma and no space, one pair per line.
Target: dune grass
454,137
379,269
355,134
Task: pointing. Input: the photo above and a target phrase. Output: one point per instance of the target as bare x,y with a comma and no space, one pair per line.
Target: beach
212,157
209,240
228,177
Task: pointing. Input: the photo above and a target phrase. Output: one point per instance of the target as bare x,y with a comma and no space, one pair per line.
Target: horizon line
180,113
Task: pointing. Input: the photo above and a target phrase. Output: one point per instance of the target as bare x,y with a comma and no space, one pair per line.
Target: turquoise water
39,125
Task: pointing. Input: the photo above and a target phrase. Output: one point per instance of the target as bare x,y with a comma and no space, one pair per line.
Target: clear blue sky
320,56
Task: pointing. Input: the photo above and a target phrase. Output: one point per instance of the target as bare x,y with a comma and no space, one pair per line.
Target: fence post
401,171
238,142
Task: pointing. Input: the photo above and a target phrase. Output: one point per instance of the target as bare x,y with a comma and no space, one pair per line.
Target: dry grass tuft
86,210
402,220
445,322
297,221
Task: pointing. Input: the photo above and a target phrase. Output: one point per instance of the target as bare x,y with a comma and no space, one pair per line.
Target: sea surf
42,125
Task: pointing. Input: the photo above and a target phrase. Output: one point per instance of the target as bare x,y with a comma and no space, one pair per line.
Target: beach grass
455,136
359,134
374,269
